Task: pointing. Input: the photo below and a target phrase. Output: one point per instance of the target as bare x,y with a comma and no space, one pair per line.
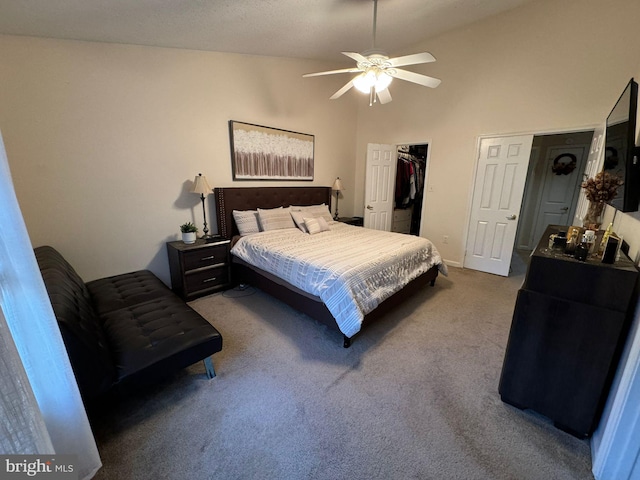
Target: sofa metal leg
208,365
347,341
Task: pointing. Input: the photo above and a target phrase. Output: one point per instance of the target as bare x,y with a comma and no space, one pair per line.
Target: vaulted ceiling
313,29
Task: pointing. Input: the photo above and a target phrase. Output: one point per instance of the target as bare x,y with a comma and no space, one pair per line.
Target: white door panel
379,186
497,197
559,192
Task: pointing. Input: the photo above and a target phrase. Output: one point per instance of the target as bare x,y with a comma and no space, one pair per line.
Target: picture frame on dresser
266,153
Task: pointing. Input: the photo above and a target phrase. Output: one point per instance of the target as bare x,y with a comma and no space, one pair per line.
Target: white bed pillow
247,221
321,210
275,219
316,224
299,220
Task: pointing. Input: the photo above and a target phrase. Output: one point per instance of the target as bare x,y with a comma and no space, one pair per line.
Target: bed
270,260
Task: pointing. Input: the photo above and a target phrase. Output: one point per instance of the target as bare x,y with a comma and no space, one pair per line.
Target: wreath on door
564,164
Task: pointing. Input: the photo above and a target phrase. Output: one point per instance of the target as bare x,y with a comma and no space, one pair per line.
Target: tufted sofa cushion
123,291
149,327
125,329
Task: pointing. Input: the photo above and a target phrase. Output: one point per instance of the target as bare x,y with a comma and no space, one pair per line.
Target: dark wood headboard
229,199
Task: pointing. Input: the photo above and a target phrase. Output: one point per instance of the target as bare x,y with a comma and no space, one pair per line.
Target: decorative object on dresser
601,189
200,268
188,231
202,187
337,187
264,153
569,326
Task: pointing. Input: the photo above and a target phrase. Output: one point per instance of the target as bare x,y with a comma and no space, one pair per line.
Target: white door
497,196
560,188
379,191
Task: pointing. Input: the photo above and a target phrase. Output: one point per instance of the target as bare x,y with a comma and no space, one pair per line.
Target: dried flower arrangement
602,188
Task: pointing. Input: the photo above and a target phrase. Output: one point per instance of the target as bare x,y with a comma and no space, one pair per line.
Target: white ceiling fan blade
343,90
330,72
384,96
356,56
412,59
413,77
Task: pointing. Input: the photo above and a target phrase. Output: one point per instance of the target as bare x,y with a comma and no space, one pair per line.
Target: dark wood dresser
569,326
199,268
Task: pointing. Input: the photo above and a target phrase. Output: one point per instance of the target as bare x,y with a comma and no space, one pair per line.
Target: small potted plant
189,231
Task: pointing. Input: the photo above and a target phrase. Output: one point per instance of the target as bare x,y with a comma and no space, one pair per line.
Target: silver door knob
369,207
511,217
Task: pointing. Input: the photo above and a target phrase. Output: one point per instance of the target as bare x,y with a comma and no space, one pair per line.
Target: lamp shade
337,185
201,186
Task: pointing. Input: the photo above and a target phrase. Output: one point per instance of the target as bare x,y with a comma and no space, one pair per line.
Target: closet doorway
411,173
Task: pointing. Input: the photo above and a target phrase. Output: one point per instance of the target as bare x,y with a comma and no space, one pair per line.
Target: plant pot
189,237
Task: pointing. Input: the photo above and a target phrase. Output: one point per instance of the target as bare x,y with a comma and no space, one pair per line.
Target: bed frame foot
208,365
433,282
347,341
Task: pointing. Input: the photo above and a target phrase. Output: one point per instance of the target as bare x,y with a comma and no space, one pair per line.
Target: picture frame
266,153
612,249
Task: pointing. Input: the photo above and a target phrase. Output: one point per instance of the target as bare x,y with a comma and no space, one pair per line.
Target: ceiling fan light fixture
365,81
383,81
378,80
376,70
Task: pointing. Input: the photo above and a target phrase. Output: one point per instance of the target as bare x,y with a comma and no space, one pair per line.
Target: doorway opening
536,184
411,172
554,177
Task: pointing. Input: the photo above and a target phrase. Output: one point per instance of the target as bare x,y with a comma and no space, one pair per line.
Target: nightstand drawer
207,278
200,268
204,257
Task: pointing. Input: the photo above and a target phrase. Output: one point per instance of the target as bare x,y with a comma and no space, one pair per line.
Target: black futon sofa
126,331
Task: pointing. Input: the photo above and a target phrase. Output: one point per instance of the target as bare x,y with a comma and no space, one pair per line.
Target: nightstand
199,268
357,221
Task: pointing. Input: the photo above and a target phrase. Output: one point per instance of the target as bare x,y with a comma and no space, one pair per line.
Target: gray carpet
414,397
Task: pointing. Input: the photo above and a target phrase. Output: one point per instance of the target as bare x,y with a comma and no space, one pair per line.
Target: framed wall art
264,153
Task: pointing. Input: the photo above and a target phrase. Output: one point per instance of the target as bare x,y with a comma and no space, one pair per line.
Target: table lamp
202,187
337,187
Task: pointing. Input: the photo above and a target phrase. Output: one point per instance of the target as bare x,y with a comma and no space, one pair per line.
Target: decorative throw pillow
275,219
316,225
321,210
299,221
247,221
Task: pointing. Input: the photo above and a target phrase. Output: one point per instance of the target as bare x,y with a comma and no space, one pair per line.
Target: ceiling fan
376,70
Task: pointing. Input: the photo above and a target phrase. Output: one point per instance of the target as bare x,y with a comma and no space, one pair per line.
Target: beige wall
103,140
544,67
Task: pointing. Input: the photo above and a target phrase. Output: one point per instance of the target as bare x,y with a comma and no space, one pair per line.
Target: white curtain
44,414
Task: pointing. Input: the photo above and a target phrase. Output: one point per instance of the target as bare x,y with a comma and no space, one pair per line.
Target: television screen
620,153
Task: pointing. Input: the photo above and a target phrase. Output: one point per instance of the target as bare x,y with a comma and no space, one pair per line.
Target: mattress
352,269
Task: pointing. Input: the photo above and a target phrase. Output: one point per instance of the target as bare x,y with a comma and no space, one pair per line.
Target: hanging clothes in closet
409,179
